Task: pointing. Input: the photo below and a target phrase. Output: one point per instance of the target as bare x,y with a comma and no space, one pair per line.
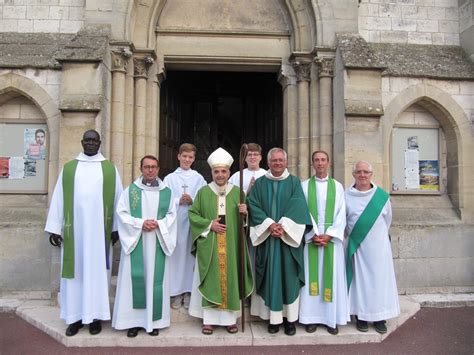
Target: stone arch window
418,152
24,145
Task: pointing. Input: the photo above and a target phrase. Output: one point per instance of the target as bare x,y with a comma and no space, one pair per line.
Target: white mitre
220,159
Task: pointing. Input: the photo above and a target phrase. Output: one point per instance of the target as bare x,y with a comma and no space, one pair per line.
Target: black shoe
132,332
380,327
311,328
362,326
95,327
73,328
332,331
273,328
154,332
290,328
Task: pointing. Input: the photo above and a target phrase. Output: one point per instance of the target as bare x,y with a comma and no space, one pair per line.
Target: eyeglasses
366,172
277,160
253,154
150,167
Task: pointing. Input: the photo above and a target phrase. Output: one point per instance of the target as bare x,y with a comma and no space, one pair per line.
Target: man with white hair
373,295
278,219
214,220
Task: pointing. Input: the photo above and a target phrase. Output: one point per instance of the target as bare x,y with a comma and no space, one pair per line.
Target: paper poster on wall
16,168
4,163
412,170
30,167
412,142
429,174
34,143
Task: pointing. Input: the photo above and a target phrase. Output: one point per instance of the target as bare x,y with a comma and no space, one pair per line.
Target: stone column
326,71
119,69
152,116
314,111
287,79
128,124
160,77
141,66
303,73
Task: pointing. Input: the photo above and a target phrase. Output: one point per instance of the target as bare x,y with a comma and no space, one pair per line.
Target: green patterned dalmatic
136,256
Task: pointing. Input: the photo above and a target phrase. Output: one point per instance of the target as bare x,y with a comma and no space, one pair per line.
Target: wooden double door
218,109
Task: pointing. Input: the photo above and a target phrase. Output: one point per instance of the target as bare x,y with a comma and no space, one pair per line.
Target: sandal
207,329
232,329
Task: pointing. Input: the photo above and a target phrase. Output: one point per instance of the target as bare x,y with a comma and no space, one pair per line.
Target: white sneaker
176,302
186,300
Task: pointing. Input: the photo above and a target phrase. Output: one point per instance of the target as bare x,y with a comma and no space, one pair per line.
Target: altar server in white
253,171
82,221
147,228
184,183
373,294
324,296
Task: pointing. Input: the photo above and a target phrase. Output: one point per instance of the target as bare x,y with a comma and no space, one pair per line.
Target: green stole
313,252
363,226
108,198
136,256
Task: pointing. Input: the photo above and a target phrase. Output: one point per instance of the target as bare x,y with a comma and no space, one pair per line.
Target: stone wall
52,16
410,21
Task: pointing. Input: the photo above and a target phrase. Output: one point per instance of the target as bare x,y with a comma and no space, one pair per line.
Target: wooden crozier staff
243,155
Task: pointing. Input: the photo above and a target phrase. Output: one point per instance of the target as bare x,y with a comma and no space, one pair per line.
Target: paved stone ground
430,331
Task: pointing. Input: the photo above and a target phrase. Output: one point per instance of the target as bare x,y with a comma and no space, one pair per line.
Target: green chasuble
210,256
279,268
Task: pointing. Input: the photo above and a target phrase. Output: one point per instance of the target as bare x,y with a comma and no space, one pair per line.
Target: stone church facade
391,82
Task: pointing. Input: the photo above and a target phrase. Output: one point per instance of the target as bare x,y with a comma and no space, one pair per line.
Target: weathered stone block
393,37
58,12
437,38
9,25
446,26
436,13
14,12
434,272
72,2
401,24
451,39
76,13
81,103
71,26
25,25
427,26
32,263
37,12
379,23
419,38
46,26
390,10
414,12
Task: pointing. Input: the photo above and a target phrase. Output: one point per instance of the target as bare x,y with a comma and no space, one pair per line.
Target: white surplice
130,230
181,262
86,296
313,309
373,294
248,175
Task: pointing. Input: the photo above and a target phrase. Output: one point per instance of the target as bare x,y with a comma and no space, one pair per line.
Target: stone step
188,333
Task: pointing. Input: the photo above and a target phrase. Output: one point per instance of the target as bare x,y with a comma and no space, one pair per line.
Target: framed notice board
24,157
415,160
